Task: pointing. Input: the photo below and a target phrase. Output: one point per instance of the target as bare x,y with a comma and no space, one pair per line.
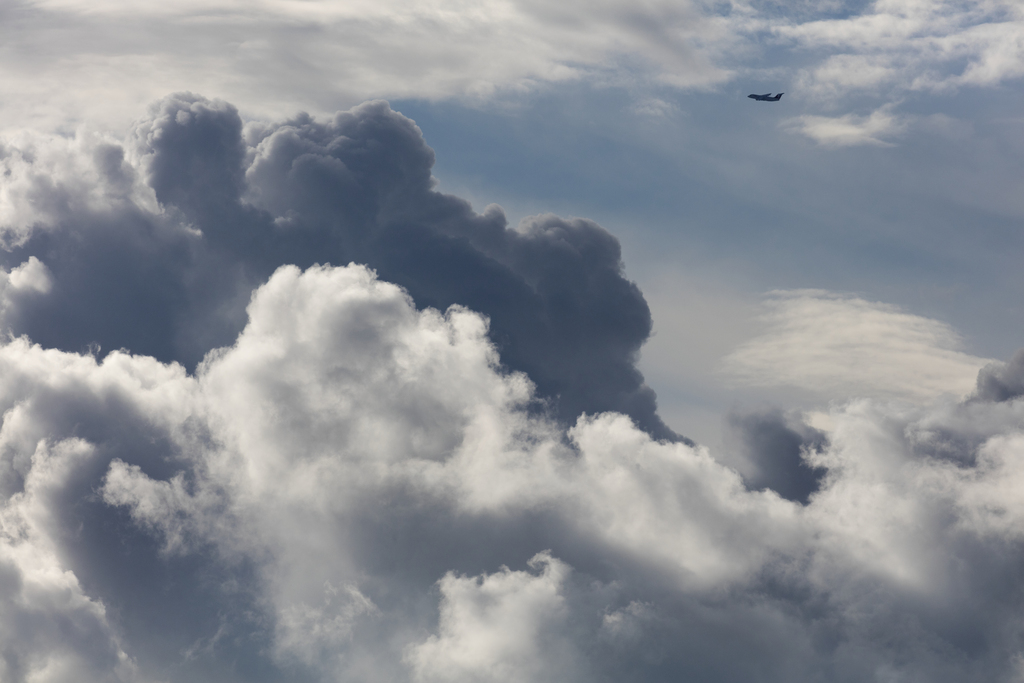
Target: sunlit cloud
69,62
101,60
850,130
835,346
896,46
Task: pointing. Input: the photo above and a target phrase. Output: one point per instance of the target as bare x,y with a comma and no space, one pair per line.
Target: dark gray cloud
1002,381
238,204
774,447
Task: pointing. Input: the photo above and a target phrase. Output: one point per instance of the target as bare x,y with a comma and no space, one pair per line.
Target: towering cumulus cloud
237,202
431,470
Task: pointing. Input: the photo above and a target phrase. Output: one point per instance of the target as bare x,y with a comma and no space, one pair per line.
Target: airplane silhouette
766,97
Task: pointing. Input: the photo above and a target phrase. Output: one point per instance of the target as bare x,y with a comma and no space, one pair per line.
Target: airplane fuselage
766,97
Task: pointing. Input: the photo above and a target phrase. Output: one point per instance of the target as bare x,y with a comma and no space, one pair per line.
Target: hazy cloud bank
836,346
905,45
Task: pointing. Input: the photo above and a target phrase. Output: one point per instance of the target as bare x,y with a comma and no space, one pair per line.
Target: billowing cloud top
156,248
443,468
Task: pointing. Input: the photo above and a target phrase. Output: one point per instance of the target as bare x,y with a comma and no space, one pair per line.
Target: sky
505,341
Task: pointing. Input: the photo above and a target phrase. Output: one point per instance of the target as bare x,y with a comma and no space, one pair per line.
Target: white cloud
839,74
507,627
364,462
105,59
30,276
849,130
70,61
51,631
353,488
47,177
840,346
317,635
338,385
28,279
912,45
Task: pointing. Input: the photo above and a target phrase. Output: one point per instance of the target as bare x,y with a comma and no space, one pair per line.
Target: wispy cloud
101,59
850,130
68,61
901,45
834,345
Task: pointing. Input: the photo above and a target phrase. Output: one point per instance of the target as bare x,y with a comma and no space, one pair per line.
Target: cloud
354,490
850,130
73,66
841,55
225,455
103,60
71,62
155,246
51,629
775,451
507,626
1002,381
343,412
904,45
834,345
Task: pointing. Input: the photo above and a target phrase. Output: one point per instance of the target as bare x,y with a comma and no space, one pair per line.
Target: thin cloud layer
850,130
69,62
353,490
841,346
886,51
903,45
107,58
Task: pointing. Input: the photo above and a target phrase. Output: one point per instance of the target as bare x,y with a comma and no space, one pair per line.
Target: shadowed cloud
775,448
1002,381
236,204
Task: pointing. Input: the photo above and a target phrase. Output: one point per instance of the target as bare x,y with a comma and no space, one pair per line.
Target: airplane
766,97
